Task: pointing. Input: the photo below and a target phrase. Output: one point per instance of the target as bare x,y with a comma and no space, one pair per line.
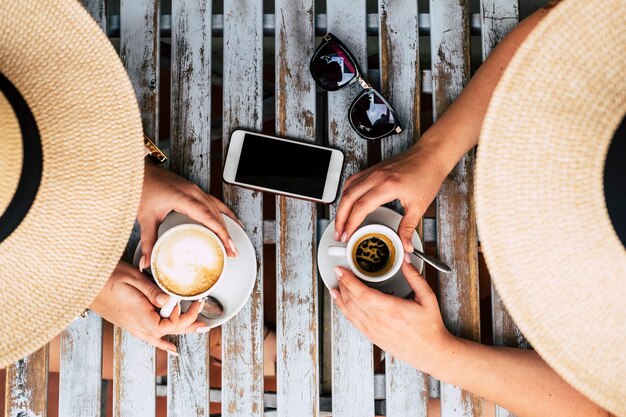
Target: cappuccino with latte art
188,260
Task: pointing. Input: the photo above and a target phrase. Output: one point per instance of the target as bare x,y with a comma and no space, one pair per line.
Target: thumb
407,226
148,239
423,292
150,290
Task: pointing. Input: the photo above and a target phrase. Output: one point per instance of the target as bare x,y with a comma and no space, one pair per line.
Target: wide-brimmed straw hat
551,196
71,168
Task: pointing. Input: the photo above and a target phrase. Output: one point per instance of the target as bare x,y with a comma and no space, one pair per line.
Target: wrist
442,354
447,147
435,152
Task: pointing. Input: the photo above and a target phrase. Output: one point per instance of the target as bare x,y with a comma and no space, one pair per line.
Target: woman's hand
411,330
130,300
413,177
163,192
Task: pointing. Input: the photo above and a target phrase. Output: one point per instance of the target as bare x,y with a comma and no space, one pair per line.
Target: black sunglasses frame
358,77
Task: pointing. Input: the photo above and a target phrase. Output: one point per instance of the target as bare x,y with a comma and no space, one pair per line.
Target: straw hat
556,253
71,168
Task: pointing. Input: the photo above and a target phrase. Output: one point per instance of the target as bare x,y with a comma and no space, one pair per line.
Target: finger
367,203
197,327
407,226
365,297
423,293
162,344
170,324
355,178
341,306
350,305
149,289
148,230
352,192
189,317
203,214
227,211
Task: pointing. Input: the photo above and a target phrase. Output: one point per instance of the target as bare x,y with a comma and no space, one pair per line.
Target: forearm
517,379
458,128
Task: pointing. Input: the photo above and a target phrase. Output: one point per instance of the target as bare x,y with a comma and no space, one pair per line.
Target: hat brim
61,254
548,241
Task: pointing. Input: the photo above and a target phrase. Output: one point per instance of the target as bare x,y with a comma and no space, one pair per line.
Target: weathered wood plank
188,377
406,388
134,363
97,10
26,391
242,374
191,90
499,17
352,360
188,374
456,222
297,322
80,379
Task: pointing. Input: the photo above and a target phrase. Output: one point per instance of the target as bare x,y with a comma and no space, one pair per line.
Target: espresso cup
187,262
374,253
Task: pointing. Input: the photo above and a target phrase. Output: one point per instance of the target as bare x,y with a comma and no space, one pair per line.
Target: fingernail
333,294
203,329
233,247
142,262
407,258
201,305
338,272
161,299
344,237
171,352
409,245
241,224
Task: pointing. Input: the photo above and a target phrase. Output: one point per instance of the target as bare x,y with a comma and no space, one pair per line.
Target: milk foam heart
188,261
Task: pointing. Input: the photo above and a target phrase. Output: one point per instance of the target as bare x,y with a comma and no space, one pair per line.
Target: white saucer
235,287
395,285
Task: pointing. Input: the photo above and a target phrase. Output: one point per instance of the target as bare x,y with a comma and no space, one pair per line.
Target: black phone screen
283,166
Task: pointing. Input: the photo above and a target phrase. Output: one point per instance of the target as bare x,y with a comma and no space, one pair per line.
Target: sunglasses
334,67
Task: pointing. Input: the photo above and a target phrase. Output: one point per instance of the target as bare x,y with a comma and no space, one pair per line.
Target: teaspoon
437,264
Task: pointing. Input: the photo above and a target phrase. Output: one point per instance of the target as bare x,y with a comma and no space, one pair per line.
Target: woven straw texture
56,261
547,238
11,154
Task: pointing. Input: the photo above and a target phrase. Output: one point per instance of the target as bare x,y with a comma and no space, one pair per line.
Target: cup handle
167,309
338,251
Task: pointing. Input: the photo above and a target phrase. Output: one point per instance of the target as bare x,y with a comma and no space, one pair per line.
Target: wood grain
499,17
97,10
352,360
134,361
297,297
406,388
188,377
242,373
456,222
80,379
188,374
26,393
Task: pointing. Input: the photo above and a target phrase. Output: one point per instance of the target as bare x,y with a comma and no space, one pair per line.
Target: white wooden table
343,362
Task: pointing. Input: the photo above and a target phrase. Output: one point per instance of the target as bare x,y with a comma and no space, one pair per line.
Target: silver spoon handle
437,264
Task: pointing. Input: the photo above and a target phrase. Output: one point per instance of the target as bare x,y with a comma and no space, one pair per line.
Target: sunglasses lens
371,117
332,67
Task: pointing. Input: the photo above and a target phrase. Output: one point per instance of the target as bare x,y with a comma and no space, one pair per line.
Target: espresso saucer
234,288
396,285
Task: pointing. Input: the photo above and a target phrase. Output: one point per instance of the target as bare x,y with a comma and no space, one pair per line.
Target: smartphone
283,166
